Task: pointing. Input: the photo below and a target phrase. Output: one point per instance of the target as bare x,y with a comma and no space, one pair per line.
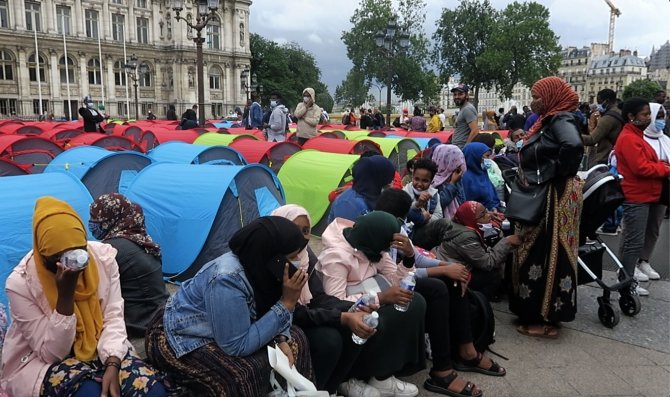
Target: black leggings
447,318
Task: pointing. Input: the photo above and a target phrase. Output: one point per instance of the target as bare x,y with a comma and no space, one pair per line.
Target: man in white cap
466,126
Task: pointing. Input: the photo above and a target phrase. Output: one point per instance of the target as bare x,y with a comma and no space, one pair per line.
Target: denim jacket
217,305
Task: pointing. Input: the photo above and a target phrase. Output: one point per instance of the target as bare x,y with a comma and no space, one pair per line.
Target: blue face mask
601,107
519,143
487,164
660,125
96,230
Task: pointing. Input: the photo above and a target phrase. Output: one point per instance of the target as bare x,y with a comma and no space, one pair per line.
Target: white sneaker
357,388
649,271
639,276
641,291
394,387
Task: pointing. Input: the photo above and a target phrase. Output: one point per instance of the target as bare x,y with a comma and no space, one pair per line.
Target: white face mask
306,99
487,229
273,103
295,263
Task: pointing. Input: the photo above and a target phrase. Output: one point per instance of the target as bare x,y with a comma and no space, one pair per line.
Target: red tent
109,142
154,137
342,146
272,154
443,136
61,136
32,152
11,168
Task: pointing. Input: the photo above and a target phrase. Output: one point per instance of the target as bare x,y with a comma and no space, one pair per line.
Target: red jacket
640,167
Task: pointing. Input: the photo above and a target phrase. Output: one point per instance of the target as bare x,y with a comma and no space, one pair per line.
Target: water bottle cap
82,258
374,315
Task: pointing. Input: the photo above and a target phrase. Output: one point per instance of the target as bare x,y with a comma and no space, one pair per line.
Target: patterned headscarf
557,96
448,158
118,217
466,215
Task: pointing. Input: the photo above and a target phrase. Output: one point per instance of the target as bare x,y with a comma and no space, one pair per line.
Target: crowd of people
440,227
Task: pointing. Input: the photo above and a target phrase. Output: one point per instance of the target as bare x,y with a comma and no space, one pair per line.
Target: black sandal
441,385
473,366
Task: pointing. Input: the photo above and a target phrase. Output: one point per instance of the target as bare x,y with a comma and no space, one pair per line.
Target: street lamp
253,86
379,87
206,11
392,42
135,73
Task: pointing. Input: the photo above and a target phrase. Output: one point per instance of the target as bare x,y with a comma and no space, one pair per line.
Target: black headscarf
371,174
262,247
372,234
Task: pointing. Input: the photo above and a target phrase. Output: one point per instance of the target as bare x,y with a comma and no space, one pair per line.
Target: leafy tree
523,47
461,39
641,88
353,90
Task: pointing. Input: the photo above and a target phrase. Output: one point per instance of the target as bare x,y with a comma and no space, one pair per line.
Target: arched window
66,71
145,78
32,68
6,65
214,34
215,78
119,74
94,71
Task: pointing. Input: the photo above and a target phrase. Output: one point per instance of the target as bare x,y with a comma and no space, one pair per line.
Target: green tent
213,139
309,176
398,150
356,135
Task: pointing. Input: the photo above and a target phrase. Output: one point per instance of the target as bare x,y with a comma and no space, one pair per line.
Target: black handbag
527,204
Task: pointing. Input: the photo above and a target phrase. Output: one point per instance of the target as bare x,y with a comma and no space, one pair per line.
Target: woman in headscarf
371,175
120,223
464,243
212,333
67,336
355,253
450,169
642,154
476,183
543,274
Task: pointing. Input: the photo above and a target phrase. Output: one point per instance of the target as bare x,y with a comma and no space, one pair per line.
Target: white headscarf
657,139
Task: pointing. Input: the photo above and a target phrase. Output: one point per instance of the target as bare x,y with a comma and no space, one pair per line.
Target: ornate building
615,71
99,37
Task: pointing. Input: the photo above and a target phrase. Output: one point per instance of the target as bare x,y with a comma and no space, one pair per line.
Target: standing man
443,119
435,124
308,114
276,127
466,126
255,113
92,116
515,121
606,132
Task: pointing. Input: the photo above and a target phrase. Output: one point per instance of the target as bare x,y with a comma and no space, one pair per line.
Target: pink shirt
40,337
343,265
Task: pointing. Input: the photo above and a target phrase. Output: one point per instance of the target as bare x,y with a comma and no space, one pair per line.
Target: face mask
487,229
273,103
96,230
90,105
660,125
306,99
488,163
519,143
602,107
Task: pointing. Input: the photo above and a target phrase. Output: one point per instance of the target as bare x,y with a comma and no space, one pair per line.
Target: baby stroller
601,196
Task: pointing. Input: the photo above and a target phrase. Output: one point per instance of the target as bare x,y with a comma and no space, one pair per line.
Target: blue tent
186,153
192,211
17,202
224,124
423,143
100,170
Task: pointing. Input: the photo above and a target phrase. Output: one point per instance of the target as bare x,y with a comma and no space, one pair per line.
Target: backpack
483,323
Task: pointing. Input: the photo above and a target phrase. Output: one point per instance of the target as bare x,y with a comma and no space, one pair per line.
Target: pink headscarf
291,212
448,158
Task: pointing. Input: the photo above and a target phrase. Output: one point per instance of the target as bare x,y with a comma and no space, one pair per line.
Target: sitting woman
464,242
476,183
492,168
213,332
67,336
371,175
120,223
450,169
329,325
355,253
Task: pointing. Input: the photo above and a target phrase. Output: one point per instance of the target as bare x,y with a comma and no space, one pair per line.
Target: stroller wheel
608,315
630,304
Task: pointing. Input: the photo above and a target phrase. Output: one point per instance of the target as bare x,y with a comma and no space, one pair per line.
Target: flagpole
39,74
125,61
102,74
67,64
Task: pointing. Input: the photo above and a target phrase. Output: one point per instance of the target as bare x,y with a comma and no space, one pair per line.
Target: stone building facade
150,32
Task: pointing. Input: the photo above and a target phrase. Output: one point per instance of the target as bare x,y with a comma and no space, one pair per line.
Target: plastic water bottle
408,283
506,225
75,259
364,300
371,320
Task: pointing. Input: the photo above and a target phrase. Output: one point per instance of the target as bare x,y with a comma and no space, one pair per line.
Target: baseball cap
461,87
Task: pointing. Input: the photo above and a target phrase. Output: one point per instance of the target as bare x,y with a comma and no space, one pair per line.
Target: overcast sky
317,25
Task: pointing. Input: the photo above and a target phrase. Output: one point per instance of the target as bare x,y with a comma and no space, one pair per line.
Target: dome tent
17,202
309,175
343,146
154,137
213,138
32,151
398,150
192,211
101,171
184,153
10,168
109,142
271,154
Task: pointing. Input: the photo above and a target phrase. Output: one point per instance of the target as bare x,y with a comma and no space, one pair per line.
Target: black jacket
91,120
553,152
171,114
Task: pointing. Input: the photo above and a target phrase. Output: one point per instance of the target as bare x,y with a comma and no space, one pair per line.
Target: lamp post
136,72
206,10
252,86
392,42
379,87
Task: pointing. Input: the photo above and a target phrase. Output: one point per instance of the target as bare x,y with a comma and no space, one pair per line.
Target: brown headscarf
57,228
557,96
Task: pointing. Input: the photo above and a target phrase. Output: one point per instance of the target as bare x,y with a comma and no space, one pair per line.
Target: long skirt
544,268
208,371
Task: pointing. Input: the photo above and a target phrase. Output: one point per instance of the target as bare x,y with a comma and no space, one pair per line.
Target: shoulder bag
527,203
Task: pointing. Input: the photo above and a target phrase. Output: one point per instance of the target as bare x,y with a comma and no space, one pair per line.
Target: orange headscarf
57,228
557,96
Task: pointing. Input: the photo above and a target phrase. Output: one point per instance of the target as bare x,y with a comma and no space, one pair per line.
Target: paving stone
595,380
647,380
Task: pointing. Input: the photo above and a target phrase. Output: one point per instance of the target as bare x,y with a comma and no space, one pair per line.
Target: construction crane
614,12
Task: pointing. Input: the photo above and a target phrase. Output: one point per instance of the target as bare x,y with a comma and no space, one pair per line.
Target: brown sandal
546,331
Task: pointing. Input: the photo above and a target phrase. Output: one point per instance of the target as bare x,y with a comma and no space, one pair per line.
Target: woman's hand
66,282
514,240
286,349
457,272
456,176
355,323
402,244
111,387
292,286
395,295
